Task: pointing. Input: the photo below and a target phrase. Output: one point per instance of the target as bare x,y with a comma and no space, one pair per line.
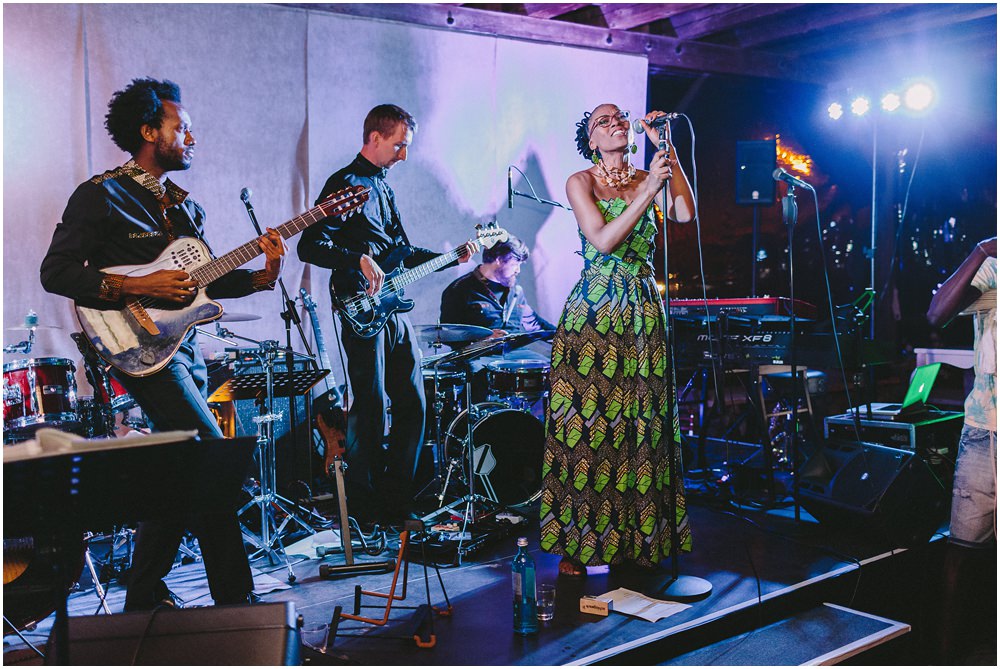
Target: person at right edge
970,556
606,470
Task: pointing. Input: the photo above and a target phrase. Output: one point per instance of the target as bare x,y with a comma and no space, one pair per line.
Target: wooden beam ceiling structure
662,51
804,42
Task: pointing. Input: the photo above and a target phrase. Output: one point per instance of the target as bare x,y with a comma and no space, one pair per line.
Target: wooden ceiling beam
719,18
818,18
626,16
930,21
550,10
661,51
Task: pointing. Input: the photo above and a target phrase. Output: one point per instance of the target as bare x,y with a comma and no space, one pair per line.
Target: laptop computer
915,401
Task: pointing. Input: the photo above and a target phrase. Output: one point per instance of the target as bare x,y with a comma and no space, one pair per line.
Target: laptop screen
921,384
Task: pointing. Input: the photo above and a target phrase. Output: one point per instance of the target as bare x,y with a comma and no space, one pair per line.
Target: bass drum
507,452
28,577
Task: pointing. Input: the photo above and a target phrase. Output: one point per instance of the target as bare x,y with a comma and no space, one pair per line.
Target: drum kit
487,441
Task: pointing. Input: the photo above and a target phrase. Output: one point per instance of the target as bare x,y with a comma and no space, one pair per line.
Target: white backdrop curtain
277,97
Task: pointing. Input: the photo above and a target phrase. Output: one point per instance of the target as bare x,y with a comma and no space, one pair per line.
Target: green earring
633,148
594,158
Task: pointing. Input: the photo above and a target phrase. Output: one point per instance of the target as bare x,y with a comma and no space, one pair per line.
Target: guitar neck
238,257
407,277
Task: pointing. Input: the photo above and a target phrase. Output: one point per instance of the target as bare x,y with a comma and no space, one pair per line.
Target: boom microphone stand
678,587
289,316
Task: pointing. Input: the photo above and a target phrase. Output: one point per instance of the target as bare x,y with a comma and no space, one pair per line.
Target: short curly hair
583,137
138,104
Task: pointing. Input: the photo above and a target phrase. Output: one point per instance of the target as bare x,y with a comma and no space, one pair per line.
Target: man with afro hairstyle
128,216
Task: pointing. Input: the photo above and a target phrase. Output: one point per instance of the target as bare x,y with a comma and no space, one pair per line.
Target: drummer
489,296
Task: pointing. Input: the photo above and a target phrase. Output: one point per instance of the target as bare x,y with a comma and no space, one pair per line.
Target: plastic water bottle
523,577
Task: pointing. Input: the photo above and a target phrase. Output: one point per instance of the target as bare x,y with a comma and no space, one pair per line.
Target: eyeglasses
608,119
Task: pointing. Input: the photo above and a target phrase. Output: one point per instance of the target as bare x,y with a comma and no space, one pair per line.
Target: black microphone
510,187
245,195
781,175
657,122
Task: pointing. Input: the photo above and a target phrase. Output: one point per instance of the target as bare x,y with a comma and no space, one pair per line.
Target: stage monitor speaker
263,634
755,164
872,487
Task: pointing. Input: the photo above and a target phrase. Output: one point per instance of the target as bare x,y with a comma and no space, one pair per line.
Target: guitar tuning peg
479,226
343,217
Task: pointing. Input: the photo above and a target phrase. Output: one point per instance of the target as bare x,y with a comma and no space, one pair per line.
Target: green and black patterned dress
605,473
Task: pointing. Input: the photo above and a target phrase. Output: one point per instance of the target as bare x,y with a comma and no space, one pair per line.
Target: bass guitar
328,408
366,314
140,335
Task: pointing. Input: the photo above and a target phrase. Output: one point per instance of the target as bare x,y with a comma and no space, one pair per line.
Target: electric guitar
328,408
367,314
140,335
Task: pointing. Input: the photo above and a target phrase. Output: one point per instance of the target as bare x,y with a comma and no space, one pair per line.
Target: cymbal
28,328
235,316
448,333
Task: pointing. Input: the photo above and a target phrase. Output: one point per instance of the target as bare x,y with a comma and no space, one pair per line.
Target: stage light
835,110
919,97
860,106
891,102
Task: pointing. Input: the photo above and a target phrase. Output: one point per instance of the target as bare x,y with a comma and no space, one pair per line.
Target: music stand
56,493
263,387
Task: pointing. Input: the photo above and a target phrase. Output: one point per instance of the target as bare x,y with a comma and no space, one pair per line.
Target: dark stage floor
763,566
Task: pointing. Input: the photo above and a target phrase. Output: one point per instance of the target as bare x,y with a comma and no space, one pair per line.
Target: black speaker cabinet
755,164
885,490
262,634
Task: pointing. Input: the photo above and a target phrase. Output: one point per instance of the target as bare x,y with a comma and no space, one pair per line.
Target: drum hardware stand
98,588
262,387
442,476
24,346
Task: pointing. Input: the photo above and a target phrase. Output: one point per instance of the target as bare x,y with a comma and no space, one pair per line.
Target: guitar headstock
490,234
344,201
307,300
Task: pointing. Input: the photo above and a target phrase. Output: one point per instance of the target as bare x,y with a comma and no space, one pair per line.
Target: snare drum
40,392
507,452
520,384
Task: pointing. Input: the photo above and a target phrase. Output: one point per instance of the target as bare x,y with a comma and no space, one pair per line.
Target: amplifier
933,437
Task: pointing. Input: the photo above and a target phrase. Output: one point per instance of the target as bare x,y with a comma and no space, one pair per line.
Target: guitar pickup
142,317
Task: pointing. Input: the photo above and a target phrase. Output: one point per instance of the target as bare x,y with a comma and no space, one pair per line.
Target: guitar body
366,314
369,314
122,341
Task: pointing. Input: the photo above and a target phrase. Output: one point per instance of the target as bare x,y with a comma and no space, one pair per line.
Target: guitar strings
347,198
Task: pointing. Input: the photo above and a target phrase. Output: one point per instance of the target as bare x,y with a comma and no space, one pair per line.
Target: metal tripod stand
268,503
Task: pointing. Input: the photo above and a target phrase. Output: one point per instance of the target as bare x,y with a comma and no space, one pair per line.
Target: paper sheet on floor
635,604
307,547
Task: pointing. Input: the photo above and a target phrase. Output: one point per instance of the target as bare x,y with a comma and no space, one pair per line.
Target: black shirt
475,300
375,229
117,218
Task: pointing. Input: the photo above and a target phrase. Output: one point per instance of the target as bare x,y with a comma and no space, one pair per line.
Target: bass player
385,367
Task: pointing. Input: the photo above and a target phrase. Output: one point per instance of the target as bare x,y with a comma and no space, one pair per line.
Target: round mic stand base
679,588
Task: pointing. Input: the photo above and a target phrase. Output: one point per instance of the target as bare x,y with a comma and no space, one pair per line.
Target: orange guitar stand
422,621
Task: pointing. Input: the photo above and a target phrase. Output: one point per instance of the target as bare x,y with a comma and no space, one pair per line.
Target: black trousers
384,369
175,398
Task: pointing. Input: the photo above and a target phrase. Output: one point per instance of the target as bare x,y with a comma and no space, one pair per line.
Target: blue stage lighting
919,97
891,102
860,106
835,110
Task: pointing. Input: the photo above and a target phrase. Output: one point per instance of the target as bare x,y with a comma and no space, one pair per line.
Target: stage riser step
826,634
838,588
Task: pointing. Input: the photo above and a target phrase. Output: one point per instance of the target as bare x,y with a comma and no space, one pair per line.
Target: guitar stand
330,571
422,622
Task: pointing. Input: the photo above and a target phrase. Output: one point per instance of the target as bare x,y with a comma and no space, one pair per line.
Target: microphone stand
677,587
790,214
289,316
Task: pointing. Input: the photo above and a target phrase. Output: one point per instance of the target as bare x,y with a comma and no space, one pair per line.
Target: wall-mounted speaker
755,164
